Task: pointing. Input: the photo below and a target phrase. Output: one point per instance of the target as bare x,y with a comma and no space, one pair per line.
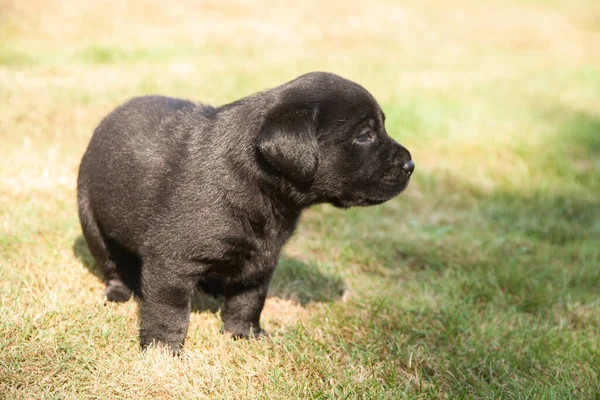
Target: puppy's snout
402,160
408,167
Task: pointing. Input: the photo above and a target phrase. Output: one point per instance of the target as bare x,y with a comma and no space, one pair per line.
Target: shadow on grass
82,252
532,248
577,128
292,280
497,290
573,152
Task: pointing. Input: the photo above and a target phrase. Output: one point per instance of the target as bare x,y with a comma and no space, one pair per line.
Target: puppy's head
327,134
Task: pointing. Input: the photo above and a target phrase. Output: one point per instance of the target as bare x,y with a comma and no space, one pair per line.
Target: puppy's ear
288,142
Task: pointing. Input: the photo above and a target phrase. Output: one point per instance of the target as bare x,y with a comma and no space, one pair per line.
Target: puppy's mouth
387,192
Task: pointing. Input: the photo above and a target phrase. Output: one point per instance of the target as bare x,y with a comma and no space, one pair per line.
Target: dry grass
481,281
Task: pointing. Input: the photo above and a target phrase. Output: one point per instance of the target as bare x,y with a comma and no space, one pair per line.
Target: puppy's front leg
243,305
165,307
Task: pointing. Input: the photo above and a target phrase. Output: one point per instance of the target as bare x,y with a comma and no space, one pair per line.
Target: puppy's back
123,174
142,116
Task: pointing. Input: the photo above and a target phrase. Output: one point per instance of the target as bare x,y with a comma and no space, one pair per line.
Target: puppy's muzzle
402,160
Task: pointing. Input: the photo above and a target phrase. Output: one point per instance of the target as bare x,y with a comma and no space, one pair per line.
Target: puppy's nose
408,167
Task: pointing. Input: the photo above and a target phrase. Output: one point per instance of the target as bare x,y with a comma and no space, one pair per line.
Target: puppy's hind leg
116,290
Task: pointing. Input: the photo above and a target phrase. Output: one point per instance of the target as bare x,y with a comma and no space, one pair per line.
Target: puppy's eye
365,137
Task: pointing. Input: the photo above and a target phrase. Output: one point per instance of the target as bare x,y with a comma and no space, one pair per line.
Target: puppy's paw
117,291
174,349
253,333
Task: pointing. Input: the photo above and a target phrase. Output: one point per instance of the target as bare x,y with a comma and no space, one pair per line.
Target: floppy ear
288,142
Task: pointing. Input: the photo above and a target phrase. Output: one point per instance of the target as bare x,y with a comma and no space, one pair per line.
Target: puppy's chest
248,244
263,241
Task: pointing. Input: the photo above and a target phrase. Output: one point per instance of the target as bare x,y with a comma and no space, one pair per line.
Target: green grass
480,281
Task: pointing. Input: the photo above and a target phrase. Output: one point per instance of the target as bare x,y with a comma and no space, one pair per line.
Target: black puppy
174,194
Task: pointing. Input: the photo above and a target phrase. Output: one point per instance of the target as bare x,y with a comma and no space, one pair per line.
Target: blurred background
481,280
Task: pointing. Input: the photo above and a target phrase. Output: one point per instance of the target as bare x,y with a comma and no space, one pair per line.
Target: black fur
173,194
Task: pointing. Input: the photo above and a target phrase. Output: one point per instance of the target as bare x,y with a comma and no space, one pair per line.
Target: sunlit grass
480,281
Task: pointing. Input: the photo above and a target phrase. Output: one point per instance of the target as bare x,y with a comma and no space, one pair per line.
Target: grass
481,281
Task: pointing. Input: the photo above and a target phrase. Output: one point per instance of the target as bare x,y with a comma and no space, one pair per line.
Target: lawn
480,281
